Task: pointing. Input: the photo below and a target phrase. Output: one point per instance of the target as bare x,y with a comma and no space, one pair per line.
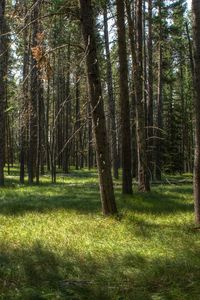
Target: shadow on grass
39,273
157,203
78,199
85,199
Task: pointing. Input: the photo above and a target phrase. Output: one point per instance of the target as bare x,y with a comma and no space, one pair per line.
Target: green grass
55,244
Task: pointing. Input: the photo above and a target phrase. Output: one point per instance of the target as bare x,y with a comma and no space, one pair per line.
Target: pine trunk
3,69
124,101
196,38
159,100
111,100
98,116
143,172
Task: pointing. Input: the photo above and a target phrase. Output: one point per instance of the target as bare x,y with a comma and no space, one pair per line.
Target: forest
99,149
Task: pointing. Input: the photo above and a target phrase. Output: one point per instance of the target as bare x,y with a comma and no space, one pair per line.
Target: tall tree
150,91
98,116
124,100
131,27
3,71
143,172
159,97
33,106
111,100
196,37
25,98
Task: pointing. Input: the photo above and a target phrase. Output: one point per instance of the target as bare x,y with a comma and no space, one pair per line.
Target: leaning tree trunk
98,116
3,71
124,101
196,38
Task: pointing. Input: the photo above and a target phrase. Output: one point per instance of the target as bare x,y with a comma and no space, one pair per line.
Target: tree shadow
39,273
84,198
157,203
77,199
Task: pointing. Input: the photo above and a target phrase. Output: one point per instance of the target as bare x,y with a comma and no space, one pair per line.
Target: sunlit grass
55,243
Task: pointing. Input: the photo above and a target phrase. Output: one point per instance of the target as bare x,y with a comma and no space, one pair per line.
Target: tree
111,99
143,172
150,91
196,38
98,116
124,100
25,98
3,72
33,106
159,97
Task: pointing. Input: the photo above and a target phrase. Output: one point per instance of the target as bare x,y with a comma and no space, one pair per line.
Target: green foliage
56,245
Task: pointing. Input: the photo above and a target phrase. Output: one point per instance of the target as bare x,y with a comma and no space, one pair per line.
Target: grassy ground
55,244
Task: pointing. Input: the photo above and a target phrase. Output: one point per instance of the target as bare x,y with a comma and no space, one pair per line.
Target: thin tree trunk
111,100
78,123
159,100
90,150
150,92
47,126
25,98
67,112
190,49
131,27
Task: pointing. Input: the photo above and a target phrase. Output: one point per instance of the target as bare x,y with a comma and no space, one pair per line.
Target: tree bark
3,72
150,91
131,27
33,107
111,100
25,98
124,100
159,99
143,173
196,38
98,116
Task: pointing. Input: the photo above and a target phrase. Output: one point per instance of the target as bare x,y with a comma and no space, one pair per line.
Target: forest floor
55,244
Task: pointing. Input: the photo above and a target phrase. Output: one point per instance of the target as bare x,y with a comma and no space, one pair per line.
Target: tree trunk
124,101
196,38
191,56
150,91
47,126
159,99
33,109
67,111
133,97
111,100
25,98
3,70
78,122
143,173
90,149
98,116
